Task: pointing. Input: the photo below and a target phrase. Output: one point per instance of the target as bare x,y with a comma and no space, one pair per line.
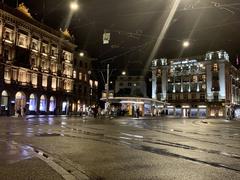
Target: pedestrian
137,113
19,111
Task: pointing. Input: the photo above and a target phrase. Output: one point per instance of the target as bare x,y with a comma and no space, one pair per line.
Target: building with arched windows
37,70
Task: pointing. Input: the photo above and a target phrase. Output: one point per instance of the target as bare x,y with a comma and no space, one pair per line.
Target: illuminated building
37,66
204,86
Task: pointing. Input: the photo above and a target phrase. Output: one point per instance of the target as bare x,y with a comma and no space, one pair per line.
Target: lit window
14,74
74,74
204,78
215,67
34,80
195,79
22,41
22,76
54,83
44,80
91,83
85,75
96,83
7,75
80,76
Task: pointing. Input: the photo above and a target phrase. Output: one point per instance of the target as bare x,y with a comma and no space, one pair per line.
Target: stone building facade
37,70
203,86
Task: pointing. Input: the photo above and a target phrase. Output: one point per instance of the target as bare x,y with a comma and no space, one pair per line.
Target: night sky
135,26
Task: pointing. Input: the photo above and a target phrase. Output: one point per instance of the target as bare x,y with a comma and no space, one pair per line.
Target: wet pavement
124,148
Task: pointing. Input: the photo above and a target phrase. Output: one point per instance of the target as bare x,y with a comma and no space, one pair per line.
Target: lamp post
74,6
186,44
107,91
91,84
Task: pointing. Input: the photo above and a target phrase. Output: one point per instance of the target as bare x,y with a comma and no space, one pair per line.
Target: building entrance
20,101
186,112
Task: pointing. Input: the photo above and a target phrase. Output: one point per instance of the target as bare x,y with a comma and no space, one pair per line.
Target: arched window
20,100
43,103
52,104
4,100
32,102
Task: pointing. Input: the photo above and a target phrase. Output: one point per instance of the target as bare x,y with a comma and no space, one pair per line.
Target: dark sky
136,24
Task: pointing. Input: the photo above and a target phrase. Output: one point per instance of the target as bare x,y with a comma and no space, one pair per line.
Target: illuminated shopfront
33,102
52,104
43,103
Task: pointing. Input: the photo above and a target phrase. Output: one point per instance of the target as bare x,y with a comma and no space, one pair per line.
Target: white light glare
81,54
124,73
74,6
186,43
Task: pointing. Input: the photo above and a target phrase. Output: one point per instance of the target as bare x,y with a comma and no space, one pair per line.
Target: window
6,54
80,76
44,48
22,41
194,96
54,83
215,67
129,84
34,80
14,74
34,45
74,74
185,96
43,103
169,97
22,76
7,75
85,77
44,80
4,100
68,85
204,78
120,84
202,96
7,35
53,67
96,83
195,78
177,96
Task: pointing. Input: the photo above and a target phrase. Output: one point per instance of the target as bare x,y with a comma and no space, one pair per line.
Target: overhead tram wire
183,9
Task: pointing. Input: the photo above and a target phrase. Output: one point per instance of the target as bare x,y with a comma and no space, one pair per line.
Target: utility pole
107,90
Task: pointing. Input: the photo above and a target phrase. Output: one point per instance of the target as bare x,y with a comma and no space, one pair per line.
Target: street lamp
74,6
124,73
186,44
81,54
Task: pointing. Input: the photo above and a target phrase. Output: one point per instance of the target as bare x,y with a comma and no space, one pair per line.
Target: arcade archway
20,100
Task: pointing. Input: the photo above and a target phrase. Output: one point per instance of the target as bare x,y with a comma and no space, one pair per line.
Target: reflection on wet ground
12,152
96,130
